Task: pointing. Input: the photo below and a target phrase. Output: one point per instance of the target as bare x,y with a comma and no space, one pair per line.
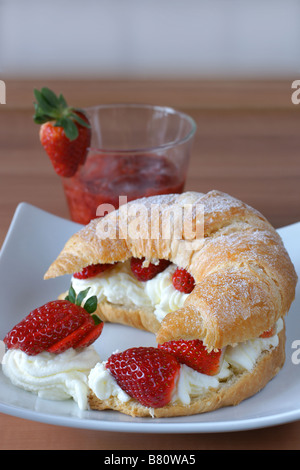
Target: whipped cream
104,385
52,376
191,383
245,355
119,286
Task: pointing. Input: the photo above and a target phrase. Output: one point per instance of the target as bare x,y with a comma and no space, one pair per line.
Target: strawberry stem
90,304
50,107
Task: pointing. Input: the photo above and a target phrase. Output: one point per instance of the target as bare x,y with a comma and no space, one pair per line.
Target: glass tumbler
136,150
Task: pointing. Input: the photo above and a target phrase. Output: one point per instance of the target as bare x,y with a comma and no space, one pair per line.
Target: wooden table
247,144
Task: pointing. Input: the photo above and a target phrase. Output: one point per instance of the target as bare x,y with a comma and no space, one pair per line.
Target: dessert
217,307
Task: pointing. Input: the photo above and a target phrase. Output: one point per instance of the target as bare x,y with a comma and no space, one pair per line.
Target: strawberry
92,271
183,281
194,354
147,272
65,132
57,326
91,336
84,336
147,374
269,333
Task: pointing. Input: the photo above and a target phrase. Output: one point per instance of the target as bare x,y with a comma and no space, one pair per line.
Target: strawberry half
183,281
145,273
194,354
65,132
92,271
147,374
57,326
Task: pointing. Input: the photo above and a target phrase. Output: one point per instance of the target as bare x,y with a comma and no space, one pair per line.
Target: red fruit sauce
105,177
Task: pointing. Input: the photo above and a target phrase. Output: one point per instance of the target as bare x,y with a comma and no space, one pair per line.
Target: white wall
150,38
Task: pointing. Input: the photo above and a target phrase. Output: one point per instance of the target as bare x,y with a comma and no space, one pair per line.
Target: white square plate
33,241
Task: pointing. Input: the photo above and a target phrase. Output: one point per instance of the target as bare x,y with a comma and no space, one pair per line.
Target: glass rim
167,109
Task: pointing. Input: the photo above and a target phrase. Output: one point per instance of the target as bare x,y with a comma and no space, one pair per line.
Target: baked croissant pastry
227,291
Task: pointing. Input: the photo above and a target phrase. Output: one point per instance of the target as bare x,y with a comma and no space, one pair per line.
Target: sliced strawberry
145,273
194,354
65,132
44,326
90,337
73,338
147,374
183,281
56,326
92,270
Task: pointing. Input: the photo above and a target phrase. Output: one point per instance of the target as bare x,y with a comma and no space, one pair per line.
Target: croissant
244,286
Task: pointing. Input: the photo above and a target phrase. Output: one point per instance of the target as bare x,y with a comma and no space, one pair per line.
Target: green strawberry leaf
69,126
62,101
40,118
82,294
71,295
50,107
96,319
44,105
80,121
91,304
50,97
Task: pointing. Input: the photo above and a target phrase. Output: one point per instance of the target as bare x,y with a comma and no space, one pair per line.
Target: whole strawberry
194,354
65,132
183,281
147,374
56,327
145,273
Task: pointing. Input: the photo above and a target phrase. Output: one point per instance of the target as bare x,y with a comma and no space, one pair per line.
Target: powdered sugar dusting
242,270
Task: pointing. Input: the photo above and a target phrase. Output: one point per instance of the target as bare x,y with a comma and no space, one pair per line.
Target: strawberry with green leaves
65,132
57,326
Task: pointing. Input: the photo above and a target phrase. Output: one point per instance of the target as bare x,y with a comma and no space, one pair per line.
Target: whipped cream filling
103,384
119,286
191,383
52,376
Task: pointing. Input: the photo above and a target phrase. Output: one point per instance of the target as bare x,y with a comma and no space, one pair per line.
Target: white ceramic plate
33,241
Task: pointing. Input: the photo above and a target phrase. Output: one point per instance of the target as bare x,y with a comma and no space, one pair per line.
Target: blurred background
150,38
229,64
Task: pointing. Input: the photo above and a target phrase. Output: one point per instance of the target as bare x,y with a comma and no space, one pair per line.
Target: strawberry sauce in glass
136,151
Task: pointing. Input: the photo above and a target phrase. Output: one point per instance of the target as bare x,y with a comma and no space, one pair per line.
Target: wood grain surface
247,144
